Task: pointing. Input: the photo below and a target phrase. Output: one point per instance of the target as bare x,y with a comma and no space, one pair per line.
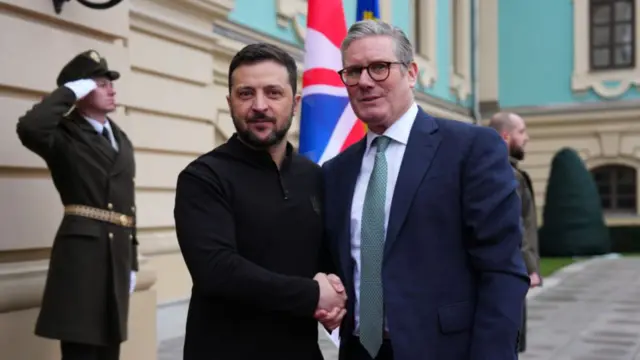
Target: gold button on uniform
130,237
111,236
133,208
110,206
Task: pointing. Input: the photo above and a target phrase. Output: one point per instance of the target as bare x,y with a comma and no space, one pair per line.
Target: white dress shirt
99,126
399,135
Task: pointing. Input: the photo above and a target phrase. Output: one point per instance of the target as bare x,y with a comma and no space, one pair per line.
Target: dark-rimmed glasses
378,71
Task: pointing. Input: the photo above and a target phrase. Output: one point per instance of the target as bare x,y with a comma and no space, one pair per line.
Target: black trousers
355,351
76,351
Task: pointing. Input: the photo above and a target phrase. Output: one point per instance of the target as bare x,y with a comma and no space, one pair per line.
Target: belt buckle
123,220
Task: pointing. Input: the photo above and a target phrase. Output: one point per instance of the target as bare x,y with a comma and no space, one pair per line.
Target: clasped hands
331,305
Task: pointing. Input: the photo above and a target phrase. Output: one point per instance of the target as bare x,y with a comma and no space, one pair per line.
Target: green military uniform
86,296
530,235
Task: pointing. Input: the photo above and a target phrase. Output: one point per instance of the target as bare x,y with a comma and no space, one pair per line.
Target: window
617,188
612,34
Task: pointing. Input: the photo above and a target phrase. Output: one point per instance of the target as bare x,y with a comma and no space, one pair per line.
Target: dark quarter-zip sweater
252,239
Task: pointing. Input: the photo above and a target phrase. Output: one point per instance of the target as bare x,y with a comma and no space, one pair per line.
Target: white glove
81,87
132,285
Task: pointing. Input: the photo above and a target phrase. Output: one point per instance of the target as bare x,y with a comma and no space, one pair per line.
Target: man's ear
505,136
296,102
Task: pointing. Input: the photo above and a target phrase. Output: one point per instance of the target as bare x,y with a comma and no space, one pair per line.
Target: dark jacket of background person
529,219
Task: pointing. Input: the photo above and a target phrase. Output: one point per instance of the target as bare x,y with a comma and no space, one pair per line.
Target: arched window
617,187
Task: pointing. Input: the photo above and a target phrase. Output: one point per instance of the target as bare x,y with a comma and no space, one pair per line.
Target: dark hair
259,52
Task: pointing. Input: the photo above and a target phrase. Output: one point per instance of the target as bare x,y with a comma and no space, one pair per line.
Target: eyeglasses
378,71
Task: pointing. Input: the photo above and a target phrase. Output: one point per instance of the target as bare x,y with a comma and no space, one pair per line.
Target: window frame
612,43
611,173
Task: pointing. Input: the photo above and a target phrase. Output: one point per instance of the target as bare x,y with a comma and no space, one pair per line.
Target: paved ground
593,314
587,312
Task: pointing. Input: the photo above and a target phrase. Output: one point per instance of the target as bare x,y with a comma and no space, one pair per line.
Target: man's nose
365,79
259,103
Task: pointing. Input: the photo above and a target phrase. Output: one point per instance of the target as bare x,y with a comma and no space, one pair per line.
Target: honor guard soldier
94,255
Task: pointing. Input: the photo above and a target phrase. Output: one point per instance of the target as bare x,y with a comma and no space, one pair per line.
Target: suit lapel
421,149
348,173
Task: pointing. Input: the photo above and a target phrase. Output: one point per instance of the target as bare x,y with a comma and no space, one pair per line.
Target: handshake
331,304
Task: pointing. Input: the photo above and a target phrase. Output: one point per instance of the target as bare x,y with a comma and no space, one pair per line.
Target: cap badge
94,55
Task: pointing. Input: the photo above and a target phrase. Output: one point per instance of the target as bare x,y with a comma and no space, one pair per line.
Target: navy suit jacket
453,276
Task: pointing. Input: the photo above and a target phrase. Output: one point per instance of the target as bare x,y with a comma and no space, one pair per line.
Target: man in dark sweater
249,223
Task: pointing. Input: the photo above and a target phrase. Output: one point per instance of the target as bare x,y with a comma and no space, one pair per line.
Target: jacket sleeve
491,211
206,234
37,127
326,262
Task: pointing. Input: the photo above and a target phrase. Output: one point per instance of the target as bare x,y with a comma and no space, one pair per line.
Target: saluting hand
82,87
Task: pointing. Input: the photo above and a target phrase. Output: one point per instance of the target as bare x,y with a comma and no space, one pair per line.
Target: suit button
130,237
133,208
110,236
110,206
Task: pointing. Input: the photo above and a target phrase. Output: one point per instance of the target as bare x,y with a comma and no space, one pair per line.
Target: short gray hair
367,28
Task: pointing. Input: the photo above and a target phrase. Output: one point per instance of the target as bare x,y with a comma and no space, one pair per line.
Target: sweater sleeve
206,234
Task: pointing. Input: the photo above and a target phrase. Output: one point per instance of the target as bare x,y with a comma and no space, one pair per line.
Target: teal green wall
535,60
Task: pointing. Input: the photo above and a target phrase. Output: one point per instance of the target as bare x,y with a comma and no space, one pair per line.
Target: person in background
94,255
513,130
423,215
248,217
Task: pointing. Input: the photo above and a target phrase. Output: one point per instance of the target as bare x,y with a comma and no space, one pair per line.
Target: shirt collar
399,131
98,125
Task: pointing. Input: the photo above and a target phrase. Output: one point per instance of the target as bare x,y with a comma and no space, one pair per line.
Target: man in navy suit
423,218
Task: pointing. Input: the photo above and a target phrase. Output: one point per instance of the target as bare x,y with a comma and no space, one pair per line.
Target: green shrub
573,222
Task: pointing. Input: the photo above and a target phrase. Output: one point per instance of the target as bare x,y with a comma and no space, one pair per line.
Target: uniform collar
98,125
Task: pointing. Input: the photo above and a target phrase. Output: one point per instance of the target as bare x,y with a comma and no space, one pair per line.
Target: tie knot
381,143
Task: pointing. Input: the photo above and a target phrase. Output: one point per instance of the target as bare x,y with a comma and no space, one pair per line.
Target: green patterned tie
371,248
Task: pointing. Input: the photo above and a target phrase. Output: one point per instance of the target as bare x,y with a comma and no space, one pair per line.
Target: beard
516,152
276,136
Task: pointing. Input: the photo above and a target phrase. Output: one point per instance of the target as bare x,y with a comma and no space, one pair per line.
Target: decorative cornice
592,111
460,86
289,13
